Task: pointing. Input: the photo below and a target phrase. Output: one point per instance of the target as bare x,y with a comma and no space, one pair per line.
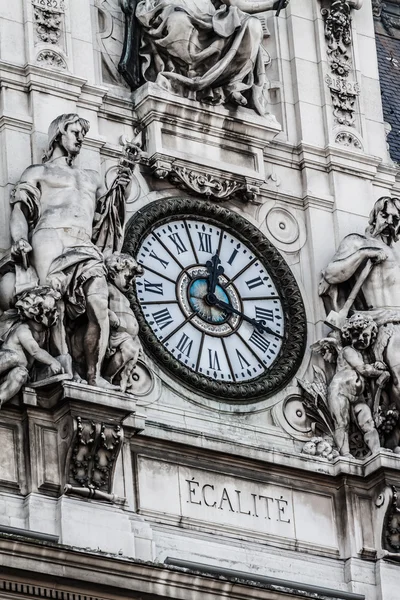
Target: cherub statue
23,333
124,346
345,395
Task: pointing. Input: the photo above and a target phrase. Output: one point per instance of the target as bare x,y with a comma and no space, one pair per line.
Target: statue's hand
383,379
20,249
278,4
124,177
380,366
377,256
114,322
56,368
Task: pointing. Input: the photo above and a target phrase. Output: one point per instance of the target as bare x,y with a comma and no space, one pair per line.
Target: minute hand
259,325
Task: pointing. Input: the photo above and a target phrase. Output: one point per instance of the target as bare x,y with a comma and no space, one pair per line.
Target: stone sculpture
208,50
346,396
124,345
64,223
23,332
320,446
364,275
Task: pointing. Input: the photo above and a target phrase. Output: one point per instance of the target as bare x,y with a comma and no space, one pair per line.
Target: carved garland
338,35
48,15
293,346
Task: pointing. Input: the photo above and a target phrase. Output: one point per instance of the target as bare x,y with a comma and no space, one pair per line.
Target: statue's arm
340,270
25,209
31,346
252,6
355,360
19,227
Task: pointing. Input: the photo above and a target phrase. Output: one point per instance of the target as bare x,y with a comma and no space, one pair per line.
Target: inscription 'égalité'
253,505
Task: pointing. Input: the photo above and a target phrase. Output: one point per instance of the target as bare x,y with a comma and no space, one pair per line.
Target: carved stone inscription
226,503
253,504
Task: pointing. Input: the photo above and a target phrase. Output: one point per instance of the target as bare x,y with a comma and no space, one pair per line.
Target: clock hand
214,271
259,325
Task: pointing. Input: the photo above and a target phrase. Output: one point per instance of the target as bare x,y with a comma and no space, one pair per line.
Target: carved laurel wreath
292,350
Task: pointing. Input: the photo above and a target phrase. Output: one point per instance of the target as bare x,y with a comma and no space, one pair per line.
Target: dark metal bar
36,535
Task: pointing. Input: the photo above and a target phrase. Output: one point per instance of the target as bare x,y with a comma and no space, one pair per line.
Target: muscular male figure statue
381,289
51,226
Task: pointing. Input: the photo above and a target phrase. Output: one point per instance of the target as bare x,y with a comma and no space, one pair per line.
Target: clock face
210,304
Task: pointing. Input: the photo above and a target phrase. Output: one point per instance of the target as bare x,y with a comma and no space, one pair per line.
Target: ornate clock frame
293,347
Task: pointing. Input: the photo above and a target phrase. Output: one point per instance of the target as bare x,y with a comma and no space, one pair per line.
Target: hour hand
214,269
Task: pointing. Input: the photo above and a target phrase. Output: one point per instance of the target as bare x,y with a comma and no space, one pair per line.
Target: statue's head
359,331
67,132
384,219
122,270
39,304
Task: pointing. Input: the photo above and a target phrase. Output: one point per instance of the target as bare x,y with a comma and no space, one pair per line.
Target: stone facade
237,445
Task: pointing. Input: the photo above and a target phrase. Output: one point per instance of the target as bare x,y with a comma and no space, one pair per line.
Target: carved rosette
50,58
349,140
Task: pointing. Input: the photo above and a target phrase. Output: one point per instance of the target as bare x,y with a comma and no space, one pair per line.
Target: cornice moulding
84,571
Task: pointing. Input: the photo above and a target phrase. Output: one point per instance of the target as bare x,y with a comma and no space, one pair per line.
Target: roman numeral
163,318
233,256
164,263
205,242
253,283
185,345
264,314
180,246
243,362
213,360
154,288
259,341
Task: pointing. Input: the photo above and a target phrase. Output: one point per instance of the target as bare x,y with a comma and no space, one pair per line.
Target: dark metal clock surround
293,347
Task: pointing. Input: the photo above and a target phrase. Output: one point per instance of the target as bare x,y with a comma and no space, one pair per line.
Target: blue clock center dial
197,293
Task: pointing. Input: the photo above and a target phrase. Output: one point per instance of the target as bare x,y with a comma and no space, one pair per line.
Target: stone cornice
38,570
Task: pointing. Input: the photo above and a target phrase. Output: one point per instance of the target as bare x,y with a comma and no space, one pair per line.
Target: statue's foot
77,378
238,98
103,383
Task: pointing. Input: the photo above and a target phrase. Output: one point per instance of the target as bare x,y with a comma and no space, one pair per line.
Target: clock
217,306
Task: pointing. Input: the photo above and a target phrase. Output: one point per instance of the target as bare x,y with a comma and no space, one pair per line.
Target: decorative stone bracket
93,451
91,426
219,186
91,429
388,523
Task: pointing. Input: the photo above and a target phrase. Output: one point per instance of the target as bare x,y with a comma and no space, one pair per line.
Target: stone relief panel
206,51
338,34
354,399
63,298
49,21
